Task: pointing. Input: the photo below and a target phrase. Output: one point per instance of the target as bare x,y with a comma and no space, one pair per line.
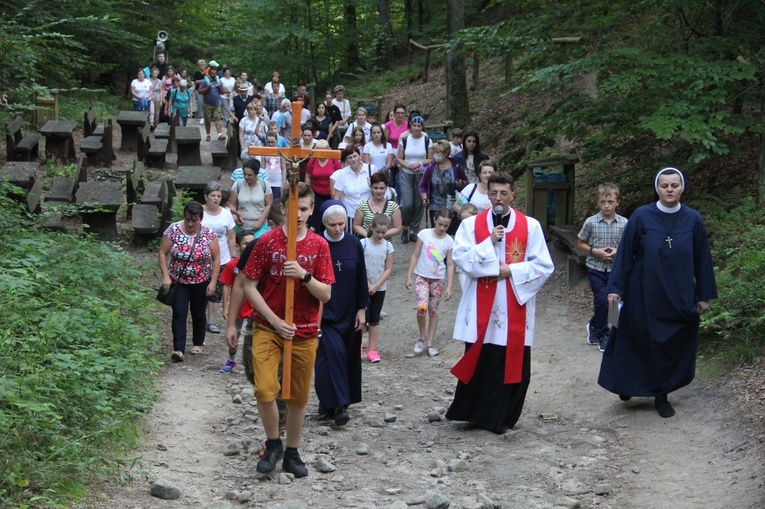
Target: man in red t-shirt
266,271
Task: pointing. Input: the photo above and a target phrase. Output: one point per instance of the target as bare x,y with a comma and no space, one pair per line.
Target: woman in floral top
190,257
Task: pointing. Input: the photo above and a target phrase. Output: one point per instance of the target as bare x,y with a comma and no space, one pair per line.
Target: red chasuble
486,290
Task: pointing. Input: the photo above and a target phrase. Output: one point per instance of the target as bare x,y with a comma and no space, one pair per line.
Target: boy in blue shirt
599,238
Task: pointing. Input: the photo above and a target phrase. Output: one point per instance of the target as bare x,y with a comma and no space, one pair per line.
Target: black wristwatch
307,278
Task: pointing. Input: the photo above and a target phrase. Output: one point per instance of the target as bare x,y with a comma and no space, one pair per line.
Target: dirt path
574,439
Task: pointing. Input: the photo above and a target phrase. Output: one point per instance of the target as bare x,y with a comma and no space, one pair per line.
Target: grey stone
248,442
602,489
438,464
232,495
485,501
548,417
244,497
232,448
219,504
323,431
237,399
437,472
398,504
434,416
398,407
322,465
511,435
375,422
389,417
251,414
438,501
362,449
440,409
417,500
233,420
458,465
392,491
164,489
568,502
635,470
284,478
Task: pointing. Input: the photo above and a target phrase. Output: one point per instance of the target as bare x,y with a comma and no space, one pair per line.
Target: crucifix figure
339,265
669,241
294,155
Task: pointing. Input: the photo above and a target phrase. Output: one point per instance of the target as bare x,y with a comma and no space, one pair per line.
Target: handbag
167,297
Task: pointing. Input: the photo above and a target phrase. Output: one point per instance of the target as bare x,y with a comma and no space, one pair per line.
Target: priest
505,258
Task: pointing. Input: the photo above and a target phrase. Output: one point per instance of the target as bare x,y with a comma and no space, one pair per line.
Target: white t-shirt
455,149
415,150
367,127
432,261
378,156
226,87
481,201
273,167
355,188
221,224
142,88
269,87
375,256
345,107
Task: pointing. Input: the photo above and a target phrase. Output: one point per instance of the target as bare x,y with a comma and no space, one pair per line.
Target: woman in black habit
663,274
338,359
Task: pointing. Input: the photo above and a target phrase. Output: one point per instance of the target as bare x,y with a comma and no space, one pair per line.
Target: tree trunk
352,47
457,107
761,180
384,43
408,8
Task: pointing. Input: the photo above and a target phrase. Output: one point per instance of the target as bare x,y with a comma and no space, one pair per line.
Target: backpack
403,143
239,185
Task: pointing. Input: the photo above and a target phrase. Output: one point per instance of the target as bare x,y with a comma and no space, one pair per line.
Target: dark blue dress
338,357
662,268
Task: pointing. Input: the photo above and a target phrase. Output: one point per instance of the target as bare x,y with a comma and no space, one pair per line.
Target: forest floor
575,442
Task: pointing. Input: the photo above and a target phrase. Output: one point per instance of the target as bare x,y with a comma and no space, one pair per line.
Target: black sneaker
341,417
269,457
294,465
404,237
412,237
592,338
603,343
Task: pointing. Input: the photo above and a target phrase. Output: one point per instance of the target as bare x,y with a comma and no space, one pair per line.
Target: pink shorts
428,293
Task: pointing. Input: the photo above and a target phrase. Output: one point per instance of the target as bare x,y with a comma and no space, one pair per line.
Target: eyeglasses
503,194
400,113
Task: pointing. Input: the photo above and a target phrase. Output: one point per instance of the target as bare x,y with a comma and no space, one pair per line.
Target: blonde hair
607,189
442,146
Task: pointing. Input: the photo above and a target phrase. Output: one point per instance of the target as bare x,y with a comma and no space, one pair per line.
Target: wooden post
476,69
292,154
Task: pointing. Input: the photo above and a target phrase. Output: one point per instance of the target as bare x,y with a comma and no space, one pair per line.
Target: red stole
486,291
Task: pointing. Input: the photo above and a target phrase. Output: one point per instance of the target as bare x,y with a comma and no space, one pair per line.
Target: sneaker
196,350
373,356
201,121
228,366
221,136
603,343
591,337
341,417
404,237
177,356
412,237
208,137
211,327
294,465
269,457
419,346
432,351
383,314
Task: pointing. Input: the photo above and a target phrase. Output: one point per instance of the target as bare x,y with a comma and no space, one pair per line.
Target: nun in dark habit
663,274
338,360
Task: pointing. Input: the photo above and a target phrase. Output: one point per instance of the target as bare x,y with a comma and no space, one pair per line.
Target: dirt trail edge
574,439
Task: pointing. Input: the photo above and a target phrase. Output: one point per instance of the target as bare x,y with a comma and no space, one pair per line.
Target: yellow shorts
267,348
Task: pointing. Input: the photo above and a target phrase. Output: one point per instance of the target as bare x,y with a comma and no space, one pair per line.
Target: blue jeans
187,297
598,284
410,201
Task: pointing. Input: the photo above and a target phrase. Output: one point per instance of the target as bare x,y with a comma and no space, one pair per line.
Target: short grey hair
211,186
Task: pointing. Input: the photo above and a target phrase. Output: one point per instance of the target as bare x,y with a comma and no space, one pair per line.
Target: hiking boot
341,417
592,338
294,465
270,456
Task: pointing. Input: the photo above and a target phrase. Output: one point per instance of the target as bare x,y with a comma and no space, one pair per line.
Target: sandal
196,350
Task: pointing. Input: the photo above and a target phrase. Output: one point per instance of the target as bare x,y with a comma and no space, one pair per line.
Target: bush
732,327
76,363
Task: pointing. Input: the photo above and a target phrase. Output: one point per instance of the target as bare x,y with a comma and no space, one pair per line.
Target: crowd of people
448,198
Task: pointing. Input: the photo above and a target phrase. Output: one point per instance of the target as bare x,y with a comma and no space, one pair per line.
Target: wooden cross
295,154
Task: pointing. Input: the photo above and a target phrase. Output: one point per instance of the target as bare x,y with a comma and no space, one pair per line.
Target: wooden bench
151,152
18,146
188,140
100,202
195,178
564,241
62,193
134,185
437,131
90,123
59,140
154,212
98,149
165,131
225,153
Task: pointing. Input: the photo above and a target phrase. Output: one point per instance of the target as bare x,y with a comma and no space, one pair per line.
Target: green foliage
76,363
182,197
55,168
734,323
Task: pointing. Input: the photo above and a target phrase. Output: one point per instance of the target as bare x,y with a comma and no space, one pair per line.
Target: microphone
498,215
